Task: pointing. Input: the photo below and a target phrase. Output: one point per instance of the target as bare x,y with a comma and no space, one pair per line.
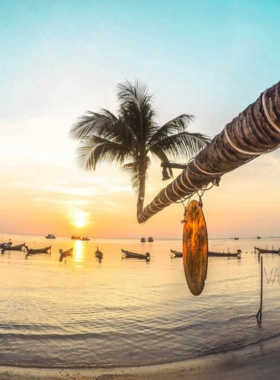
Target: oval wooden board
195,248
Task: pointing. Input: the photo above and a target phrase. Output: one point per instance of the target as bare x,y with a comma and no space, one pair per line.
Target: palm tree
130,138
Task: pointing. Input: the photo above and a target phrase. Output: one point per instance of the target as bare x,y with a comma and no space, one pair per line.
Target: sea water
83,312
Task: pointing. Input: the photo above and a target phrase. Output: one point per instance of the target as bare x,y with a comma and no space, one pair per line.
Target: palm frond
136,107
132,170
181,145
95,149
179,124
103,124
92,123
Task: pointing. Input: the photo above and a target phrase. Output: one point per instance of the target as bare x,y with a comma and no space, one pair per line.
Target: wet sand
251,363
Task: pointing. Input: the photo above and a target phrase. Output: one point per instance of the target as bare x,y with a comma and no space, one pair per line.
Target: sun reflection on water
78,252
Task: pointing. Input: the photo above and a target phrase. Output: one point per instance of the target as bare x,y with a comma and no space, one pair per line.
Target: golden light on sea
78,253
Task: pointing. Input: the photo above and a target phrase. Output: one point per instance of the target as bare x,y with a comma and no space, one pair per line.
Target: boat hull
39,251
5,245
14,248
176,253
80,238
132,255
210,253
260,250
65,254
218,254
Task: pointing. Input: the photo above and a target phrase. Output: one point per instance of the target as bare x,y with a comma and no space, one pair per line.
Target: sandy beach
251,363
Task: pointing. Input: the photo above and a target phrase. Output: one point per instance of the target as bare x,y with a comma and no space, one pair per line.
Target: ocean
123,312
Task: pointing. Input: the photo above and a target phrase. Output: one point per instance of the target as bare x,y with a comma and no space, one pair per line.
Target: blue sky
60,58
209,58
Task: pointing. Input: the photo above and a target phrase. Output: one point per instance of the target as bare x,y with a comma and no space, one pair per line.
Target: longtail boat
140,256
225,254
260,250
210,253
38,251
65,253
6,245
80,238
98,254
176,253
13,248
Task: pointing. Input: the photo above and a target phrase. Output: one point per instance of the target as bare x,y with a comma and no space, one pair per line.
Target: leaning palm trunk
142,170
254,132
141,193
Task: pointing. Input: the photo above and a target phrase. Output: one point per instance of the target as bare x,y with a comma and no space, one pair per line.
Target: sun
80,219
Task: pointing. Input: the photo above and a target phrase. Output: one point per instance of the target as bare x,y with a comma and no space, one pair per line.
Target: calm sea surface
122,312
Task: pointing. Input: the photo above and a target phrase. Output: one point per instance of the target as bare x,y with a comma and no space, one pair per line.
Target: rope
156,204
185,208
185,199
188,178
176,180
150,211
245,151
185,186
205,188
238,149
140,218
146,212
172,185
271,122
165,193
205,172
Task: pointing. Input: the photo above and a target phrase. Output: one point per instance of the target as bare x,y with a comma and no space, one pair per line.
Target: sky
60,58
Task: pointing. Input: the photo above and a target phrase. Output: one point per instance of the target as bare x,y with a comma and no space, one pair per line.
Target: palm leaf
132,170
92,123
136,108
96,149
184,144
103,124
176,125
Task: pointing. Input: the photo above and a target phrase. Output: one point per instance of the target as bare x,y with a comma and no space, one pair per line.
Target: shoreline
252,362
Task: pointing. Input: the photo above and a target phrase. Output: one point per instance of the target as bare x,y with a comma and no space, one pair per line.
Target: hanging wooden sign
195,248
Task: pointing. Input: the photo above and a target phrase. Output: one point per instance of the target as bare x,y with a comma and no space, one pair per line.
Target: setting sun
80,219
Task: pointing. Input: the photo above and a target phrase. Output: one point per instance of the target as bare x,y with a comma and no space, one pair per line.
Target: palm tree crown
132,137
